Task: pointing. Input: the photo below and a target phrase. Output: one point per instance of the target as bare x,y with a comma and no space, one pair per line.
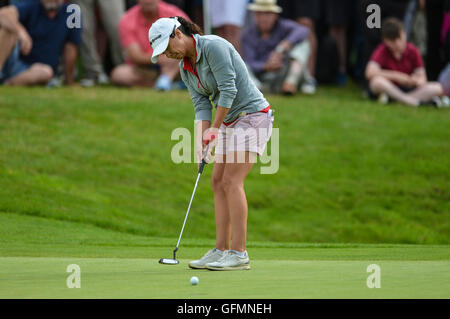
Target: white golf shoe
231,260
211,256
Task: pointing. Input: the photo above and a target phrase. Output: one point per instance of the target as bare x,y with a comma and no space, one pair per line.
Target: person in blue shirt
34,36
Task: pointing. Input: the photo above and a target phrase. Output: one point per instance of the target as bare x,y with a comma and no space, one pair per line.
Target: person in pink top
133,32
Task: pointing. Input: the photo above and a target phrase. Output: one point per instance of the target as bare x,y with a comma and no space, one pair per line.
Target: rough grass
351,171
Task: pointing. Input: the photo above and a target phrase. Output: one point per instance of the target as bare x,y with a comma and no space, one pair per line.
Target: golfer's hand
202,153
209,136
208,142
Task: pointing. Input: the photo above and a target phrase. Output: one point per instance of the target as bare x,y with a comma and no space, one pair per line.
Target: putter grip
203,163
202,166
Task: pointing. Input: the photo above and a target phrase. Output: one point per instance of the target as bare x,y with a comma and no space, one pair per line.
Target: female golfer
213,71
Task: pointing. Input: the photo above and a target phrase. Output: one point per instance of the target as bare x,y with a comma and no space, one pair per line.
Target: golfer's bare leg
130,75
233,183
379,84
427,91
223,222
8,41
37,74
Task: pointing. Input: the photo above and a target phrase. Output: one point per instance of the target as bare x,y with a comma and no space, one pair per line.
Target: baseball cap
159,35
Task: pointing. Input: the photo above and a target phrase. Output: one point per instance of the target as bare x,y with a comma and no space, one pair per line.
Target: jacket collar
198,51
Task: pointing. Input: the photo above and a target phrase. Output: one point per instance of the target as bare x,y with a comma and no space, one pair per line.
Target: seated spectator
275,49
396,69
307,14
371,37
133,30
28,55
111,11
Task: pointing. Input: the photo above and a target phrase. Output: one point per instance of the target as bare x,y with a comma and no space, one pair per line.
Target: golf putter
174,261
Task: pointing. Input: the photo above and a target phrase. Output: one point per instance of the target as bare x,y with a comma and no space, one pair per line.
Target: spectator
434,11
111,11
28,55
306,13
338,15
444,80
275,49
227,18
129,4
179,3
133,30
396,69
444,77
372,36
14,2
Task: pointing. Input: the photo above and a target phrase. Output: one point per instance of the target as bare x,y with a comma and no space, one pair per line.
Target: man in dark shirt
275,49
34,35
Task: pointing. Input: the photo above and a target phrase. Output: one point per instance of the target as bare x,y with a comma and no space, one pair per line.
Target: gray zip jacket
220,76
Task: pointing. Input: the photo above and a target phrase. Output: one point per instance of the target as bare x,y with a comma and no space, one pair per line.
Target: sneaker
445,101
163,83
383,98
341,79
87,83
441,102
231,260
55,82
211,256
309,85
101,79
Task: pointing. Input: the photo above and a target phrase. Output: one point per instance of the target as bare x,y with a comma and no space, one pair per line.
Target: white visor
159,35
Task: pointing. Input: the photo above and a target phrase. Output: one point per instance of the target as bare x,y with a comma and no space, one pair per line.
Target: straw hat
265,6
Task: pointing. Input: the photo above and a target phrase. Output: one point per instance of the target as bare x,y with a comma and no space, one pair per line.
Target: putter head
168,261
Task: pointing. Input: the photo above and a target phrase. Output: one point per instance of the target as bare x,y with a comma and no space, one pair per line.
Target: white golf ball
194,280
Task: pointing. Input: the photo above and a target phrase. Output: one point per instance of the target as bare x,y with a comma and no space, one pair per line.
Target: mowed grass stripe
140,278
22,235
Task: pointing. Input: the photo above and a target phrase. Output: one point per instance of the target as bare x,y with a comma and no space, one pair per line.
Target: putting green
46,277
35,254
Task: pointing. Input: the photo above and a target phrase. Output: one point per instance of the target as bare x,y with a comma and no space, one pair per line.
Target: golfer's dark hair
189,28
391,29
